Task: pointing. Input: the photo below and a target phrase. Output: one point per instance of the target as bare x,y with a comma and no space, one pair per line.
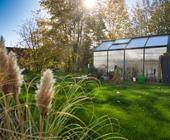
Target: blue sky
13,13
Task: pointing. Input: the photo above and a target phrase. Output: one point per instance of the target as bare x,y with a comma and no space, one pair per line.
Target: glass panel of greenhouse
157,41
104,46
100,60
152,63
137,43
116,58
133,63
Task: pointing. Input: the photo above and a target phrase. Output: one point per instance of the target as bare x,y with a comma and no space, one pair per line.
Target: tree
72,30
140,19
117,19
37,43
30,43
151,18
160,20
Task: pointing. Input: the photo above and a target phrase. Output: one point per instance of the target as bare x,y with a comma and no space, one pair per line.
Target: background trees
160,19
151,17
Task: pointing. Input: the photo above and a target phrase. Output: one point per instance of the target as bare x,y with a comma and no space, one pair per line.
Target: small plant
116,75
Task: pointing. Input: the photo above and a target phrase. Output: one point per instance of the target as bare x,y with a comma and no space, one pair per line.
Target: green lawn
143,111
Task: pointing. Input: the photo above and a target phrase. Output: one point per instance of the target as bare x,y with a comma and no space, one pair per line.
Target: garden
85,70
85,109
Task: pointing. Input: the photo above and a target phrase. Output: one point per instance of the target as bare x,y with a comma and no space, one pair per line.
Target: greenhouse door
166,69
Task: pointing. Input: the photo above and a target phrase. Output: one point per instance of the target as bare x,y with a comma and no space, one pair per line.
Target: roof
135,43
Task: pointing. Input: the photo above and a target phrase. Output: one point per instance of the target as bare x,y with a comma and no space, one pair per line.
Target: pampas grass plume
13,79
3,64
45,92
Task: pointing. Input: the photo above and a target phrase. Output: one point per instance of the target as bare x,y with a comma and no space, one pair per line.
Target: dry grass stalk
45,92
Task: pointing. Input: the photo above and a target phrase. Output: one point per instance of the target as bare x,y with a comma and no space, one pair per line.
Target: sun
89,3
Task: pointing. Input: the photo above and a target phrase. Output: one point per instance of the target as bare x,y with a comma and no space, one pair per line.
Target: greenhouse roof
135,43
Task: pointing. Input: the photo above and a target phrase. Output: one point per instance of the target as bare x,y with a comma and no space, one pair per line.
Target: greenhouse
134,56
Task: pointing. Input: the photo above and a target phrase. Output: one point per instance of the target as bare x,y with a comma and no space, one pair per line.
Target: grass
133,111
143,111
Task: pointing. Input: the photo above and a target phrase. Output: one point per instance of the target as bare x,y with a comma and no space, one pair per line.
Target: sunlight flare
89,3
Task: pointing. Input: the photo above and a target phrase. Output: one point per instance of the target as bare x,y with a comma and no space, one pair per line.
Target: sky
13,13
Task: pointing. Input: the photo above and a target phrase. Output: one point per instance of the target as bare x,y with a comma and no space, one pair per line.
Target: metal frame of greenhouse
140,52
